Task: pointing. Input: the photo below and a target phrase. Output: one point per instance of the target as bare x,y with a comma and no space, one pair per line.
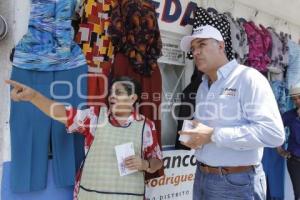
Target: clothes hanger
289,31
211,7
213,10
274,24
213,4
286,29
241,20
254,15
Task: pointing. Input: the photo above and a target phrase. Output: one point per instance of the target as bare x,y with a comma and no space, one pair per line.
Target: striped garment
48,44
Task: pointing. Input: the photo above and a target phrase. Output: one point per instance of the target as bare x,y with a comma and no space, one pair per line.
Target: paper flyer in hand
123,151
187,125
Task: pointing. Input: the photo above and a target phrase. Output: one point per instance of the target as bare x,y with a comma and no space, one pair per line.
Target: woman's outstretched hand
21,92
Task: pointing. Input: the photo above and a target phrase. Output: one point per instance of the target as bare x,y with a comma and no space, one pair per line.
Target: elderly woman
99,175
291,119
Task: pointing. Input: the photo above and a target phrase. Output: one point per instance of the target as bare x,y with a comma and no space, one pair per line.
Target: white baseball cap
206,31
295,90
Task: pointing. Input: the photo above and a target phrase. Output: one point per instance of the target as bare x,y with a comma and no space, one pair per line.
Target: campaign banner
177,183
175,16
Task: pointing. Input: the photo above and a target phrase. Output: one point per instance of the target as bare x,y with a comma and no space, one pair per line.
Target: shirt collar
134,116
224,71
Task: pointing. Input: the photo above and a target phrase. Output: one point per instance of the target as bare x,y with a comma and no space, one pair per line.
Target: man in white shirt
236,116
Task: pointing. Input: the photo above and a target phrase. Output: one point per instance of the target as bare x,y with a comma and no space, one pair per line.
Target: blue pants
274,167
31,132
280,93
240,186
52,192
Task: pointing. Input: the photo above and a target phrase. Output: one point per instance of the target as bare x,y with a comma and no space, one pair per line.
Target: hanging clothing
96,45
47,53
135,33
284,37
48,45
274,167
293,70
277,66
260,43
93,37
273,163
281,94
86,121
219,21
51,192
31,131
238,39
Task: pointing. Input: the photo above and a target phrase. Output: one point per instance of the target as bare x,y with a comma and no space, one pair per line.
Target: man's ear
222,46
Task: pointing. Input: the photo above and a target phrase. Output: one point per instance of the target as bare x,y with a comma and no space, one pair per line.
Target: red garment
134,31
260,43
97,90
96,45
